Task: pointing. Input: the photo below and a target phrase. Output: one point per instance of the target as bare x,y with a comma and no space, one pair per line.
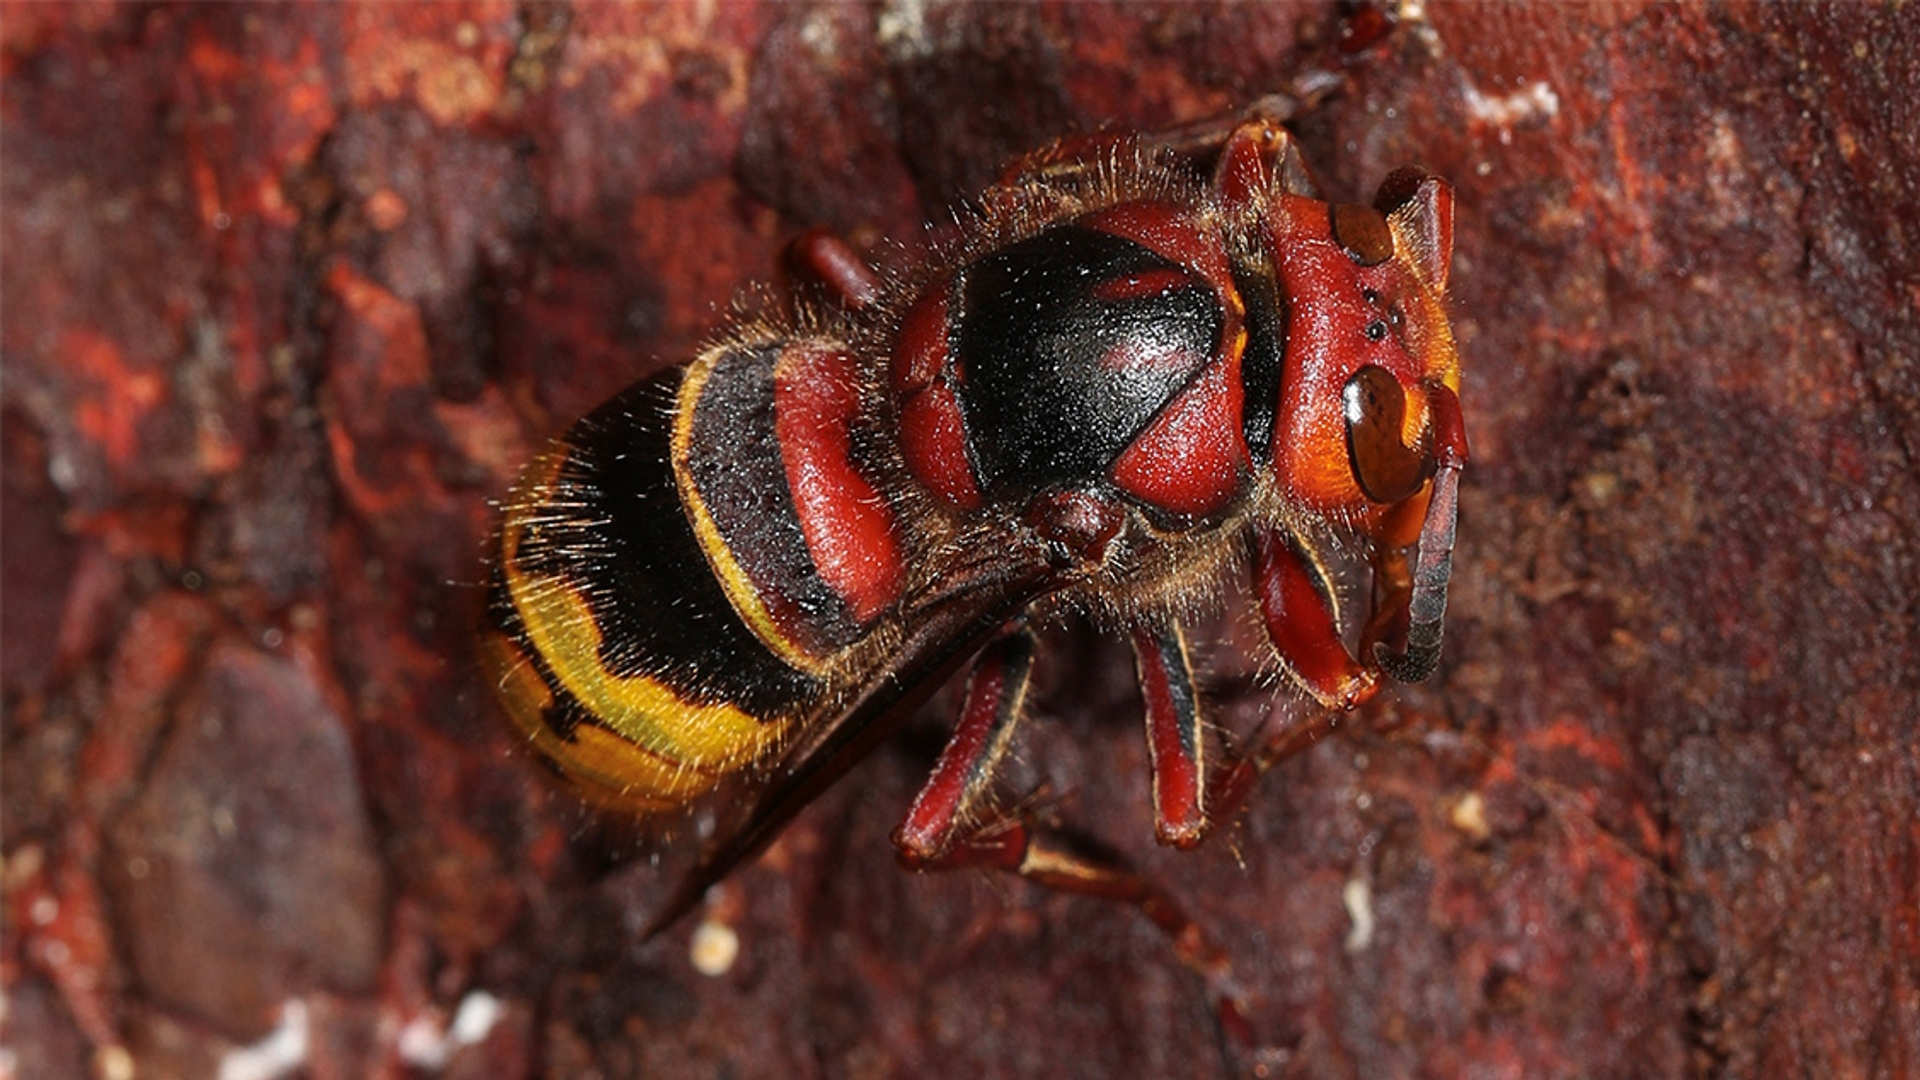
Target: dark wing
945,626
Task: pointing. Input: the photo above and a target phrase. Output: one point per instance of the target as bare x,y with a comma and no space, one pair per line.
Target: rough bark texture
291,291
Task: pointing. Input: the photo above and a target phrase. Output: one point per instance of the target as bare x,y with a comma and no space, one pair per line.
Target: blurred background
288,293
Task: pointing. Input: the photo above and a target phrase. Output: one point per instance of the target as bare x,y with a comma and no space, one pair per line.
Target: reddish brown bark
290,291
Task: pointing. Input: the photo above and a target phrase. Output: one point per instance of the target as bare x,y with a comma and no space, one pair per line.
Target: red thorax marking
848,527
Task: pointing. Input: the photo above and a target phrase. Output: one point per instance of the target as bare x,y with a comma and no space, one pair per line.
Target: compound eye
1376,408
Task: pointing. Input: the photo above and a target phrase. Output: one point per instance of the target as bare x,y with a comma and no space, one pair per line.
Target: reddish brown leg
1303,622
1230,785
1176,742
828,264
948,806
945,831
1019,846
1297,604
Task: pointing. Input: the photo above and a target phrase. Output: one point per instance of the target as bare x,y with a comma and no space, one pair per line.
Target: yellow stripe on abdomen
709,737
